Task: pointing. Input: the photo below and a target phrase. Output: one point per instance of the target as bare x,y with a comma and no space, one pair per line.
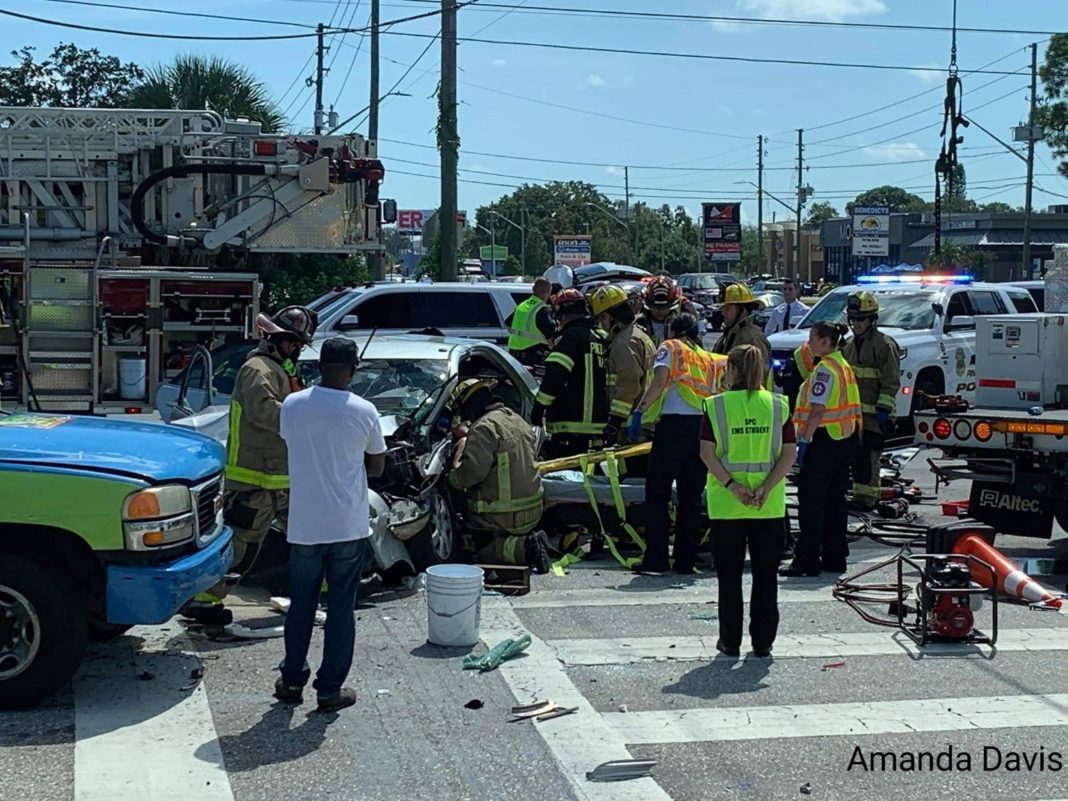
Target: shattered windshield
394,386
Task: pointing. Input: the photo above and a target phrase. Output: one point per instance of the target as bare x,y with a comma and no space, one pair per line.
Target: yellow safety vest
804,360
841,412
695,373
747,427
524,334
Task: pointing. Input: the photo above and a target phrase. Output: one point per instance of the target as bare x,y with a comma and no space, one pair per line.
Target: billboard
721,225
411,221
871,230
572,251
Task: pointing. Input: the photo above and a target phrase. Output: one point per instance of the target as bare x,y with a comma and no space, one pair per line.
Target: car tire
435,544
43,631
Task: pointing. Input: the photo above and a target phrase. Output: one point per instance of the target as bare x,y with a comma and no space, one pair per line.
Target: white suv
932,319
478,311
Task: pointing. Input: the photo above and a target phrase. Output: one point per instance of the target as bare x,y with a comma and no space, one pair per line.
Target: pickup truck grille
207,498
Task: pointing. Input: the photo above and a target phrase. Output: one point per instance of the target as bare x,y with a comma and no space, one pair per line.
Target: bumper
137,594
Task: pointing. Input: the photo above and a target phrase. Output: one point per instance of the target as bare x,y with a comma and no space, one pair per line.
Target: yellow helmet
862,304
607,297
740,294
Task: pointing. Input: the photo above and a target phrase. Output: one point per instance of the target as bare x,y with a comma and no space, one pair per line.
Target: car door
459,312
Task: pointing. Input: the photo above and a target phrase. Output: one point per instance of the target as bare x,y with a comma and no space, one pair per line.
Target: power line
352,63
198,14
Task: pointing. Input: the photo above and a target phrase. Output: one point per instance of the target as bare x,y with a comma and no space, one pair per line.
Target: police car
932,319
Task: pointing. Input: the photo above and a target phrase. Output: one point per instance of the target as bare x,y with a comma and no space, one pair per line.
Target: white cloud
928,75
614,170
825,10
895,151
723,26
499,62
595,80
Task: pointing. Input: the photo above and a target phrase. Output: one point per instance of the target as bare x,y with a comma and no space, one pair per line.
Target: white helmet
560,276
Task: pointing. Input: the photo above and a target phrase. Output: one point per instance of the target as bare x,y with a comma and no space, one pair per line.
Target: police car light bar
914,279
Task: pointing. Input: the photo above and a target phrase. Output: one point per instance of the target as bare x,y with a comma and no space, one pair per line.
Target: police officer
573,398
257,480
630,358
876,362
531,326
494,465
747,444
684,375
828,420
738,328
786,315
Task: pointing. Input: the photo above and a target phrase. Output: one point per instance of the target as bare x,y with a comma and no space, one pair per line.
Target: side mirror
960,322
349,321
389,211
939,309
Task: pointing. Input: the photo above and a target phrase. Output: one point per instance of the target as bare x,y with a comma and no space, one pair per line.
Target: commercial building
780,258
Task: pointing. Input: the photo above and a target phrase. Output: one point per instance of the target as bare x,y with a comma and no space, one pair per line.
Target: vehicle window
327,302
911,311
685,282
455,310
1022,301
958,305
1039,295
520,297
394,386
382,310
224,371
986,302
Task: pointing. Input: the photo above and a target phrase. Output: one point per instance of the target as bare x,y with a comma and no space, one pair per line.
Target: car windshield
911,311
326,302
394,386
699,282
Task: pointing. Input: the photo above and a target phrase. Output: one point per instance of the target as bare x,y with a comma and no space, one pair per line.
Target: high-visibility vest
747,427
694,372
524,334
804,360
841,412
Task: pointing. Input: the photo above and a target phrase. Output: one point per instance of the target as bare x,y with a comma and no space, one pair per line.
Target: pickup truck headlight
903,351
157,517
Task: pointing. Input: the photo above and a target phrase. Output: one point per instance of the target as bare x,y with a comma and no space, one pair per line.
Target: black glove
537,417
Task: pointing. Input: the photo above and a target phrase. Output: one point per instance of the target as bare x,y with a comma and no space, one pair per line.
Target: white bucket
132,376
454,604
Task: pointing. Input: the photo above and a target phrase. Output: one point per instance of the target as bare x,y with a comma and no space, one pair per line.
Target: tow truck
1012,443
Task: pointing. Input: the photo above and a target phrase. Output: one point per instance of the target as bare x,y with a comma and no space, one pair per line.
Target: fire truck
98,207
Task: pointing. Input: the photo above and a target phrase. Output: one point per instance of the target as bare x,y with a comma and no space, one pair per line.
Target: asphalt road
634,654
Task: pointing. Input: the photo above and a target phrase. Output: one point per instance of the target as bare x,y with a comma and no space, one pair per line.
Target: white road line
145,739
580,741
830,720
624,651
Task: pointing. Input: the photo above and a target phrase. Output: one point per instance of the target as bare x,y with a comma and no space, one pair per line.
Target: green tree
819,213
289,279
1053,113
893,196
751,263
955,256
199,82
70,77
997,207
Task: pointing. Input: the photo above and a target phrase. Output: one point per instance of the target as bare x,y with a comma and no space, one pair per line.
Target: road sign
722,231
871,230
572,251
493,253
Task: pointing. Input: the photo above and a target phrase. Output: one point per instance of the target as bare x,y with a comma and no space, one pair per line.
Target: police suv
932,319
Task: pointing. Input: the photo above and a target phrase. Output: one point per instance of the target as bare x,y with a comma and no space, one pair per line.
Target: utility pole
760,201
319,51
447,140
374,259
1030,165
800,197
626,191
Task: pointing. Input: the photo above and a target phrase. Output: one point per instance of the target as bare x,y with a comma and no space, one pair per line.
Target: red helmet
569,301
661,293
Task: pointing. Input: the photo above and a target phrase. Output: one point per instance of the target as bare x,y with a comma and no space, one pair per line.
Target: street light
522,237
365,109
760,232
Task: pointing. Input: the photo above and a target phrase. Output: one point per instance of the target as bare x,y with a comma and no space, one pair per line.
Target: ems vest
695,373
804,360
841,412
747,427
524,333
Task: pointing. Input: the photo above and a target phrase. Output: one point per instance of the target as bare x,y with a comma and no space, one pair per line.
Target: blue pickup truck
104,524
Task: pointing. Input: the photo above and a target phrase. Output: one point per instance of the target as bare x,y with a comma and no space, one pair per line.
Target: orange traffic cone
1011,580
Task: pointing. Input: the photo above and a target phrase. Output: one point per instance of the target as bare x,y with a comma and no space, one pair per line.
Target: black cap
339,351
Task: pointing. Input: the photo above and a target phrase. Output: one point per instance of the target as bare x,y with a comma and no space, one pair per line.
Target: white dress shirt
778,319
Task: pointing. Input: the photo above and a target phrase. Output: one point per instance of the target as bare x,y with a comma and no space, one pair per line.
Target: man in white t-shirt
335,442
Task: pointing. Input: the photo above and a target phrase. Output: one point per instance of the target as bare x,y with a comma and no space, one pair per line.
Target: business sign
871,230
721,224
411,221
572,251
493,253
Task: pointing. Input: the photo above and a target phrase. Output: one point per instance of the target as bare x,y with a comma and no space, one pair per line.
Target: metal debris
621,770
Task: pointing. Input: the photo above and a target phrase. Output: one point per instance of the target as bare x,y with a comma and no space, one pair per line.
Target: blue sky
688,113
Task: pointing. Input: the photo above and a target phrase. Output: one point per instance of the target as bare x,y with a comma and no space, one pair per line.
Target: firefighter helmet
741,295
661,293
607,297
297,321
464,393
862,304
569,301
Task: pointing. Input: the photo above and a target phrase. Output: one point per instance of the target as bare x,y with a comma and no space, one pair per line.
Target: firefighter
572,400
531,326
494,466
827,420
257,480
738,327
630,358
683,376
876,362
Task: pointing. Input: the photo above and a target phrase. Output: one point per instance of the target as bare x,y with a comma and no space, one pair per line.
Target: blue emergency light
914,279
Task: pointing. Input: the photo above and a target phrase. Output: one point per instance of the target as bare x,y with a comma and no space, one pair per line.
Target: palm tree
198,82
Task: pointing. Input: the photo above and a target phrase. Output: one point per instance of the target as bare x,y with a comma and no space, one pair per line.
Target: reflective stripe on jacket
841,412
876,363
575,388
747,427
695,373
256,455
524,332
804,360
630,364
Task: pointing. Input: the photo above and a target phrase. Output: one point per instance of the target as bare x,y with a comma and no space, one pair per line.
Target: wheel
103,632
43,631
436,543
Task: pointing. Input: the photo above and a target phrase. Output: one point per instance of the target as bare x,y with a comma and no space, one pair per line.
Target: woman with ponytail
828,419
747,444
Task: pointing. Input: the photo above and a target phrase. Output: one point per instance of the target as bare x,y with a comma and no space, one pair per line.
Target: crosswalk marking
623,651
151,739
821,720
579,742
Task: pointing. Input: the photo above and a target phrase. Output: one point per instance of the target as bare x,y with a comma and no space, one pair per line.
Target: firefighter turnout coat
630,361
876,362
745,332
574,392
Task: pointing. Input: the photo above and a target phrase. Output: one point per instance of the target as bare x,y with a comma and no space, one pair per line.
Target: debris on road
806,788
474,703
832,665
621,770
491,659
540,711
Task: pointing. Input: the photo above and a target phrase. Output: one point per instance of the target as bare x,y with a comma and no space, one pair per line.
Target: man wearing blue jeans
335,442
